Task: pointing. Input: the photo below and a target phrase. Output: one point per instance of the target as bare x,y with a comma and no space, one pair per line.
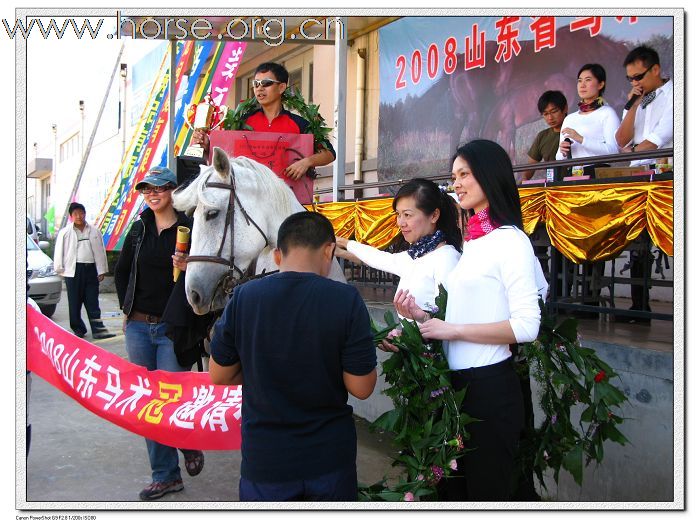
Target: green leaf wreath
427,426
429,431
569,375
293,101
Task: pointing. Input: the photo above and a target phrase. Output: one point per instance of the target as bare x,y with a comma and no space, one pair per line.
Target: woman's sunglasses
265,83
155,189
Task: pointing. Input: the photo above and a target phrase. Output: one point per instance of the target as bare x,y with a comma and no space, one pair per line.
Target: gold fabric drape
594,222
371,222
584,222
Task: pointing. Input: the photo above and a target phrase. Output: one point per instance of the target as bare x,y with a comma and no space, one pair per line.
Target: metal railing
557,165
589,287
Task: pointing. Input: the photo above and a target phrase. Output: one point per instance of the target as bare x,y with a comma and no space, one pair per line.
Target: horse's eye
211,214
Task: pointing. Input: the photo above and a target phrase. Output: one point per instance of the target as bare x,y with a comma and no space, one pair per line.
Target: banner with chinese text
446,80
182,410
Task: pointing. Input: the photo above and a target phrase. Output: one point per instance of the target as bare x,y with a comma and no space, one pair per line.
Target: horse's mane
249,174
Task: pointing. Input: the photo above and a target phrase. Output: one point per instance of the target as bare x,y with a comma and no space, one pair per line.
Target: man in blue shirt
298,343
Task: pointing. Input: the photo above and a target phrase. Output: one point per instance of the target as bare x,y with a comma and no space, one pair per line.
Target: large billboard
446,80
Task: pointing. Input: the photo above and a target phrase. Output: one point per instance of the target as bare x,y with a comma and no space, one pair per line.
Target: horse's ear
221,163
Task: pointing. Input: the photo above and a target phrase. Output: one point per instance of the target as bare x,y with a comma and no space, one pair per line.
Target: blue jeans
147,345
339,486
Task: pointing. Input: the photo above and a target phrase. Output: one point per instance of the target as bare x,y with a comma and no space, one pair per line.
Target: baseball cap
158,176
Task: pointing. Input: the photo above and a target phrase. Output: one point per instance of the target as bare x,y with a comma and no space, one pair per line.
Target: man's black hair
278,70
305,229
647,55
75,206
551,97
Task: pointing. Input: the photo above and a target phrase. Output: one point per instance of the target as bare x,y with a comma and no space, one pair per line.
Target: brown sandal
194,462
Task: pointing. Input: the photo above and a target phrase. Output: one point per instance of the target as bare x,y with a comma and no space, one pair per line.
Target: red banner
274,150
182,410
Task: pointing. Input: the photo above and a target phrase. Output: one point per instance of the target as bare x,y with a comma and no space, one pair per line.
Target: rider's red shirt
285,122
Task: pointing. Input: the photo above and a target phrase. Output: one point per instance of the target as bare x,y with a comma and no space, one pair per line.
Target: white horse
233,199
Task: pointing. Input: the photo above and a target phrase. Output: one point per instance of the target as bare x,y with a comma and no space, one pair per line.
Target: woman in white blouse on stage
427,217
591,130
492,302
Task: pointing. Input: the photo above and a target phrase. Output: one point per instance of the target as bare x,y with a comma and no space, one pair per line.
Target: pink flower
453,464
394,333
408,497
437,474
420,477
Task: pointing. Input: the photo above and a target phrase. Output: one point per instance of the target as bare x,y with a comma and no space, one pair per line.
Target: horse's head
233,199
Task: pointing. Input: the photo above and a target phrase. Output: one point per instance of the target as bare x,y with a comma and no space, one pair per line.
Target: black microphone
632,100
568,154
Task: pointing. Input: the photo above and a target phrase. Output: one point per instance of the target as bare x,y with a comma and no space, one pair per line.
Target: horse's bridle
229,281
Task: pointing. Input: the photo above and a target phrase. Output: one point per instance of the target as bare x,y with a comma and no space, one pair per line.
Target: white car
44,284
33,230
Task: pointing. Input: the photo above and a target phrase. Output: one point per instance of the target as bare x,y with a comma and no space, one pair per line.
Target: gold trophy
204,116
182,243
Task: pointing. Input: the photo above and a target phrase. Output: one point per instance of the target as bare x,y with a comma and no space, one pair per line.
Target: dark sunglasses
637,78
155,189
265,83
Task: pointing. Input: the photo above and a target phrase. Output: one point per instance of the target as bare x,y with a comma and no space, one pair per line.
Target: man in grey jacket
80,257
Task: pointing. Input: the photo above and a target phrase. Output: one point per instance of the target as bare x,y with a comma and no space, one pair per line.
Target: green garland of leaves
427,426
291,100
568,375
429,429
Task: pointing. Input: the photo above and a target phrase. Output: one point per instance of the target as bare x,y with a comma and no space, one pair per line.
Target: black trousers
494,396
83,289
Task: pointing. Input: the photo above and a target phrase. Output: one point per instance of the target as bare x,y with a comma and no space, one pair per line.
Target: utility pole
86,154
122,72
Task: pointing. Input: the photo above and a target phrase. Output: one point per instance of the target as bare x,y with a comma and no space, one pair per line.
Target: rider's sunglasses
265,83
638,78
155,189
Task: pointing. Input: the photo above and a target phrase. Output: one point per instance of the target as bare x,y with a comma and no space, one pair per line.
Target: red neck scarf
590,106
479,225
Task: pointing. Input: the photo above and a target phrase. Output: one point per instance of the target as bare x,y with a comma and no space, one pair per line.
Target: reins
228,281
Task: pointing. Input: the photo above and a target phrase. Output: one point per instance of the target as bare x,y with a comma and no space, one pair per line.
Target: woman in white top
427,217
492,302
591,130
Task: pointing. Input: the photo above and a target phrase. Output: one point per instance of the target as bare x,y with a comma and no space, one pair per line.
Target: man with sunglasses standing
647,120
270,82
647,124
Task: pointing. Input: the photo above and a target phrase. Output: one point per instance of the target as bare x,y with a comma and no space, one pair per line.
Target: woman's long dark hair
429,198
491,167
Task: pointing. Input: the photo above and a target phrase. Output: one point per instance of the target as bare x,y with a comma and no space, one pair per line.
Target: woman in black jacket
143,277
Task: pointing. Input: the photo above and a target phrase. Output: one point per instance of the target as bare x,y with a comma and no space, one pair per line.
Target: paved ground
77,457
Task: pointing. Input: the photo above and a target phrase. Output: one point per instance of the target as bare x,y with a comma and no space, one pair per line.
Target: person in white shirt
648,123
492,302
80,257
427,217
591,130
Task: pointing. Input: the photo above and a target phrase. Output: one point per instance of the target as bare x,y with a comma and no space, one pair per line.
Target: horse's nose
195,298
